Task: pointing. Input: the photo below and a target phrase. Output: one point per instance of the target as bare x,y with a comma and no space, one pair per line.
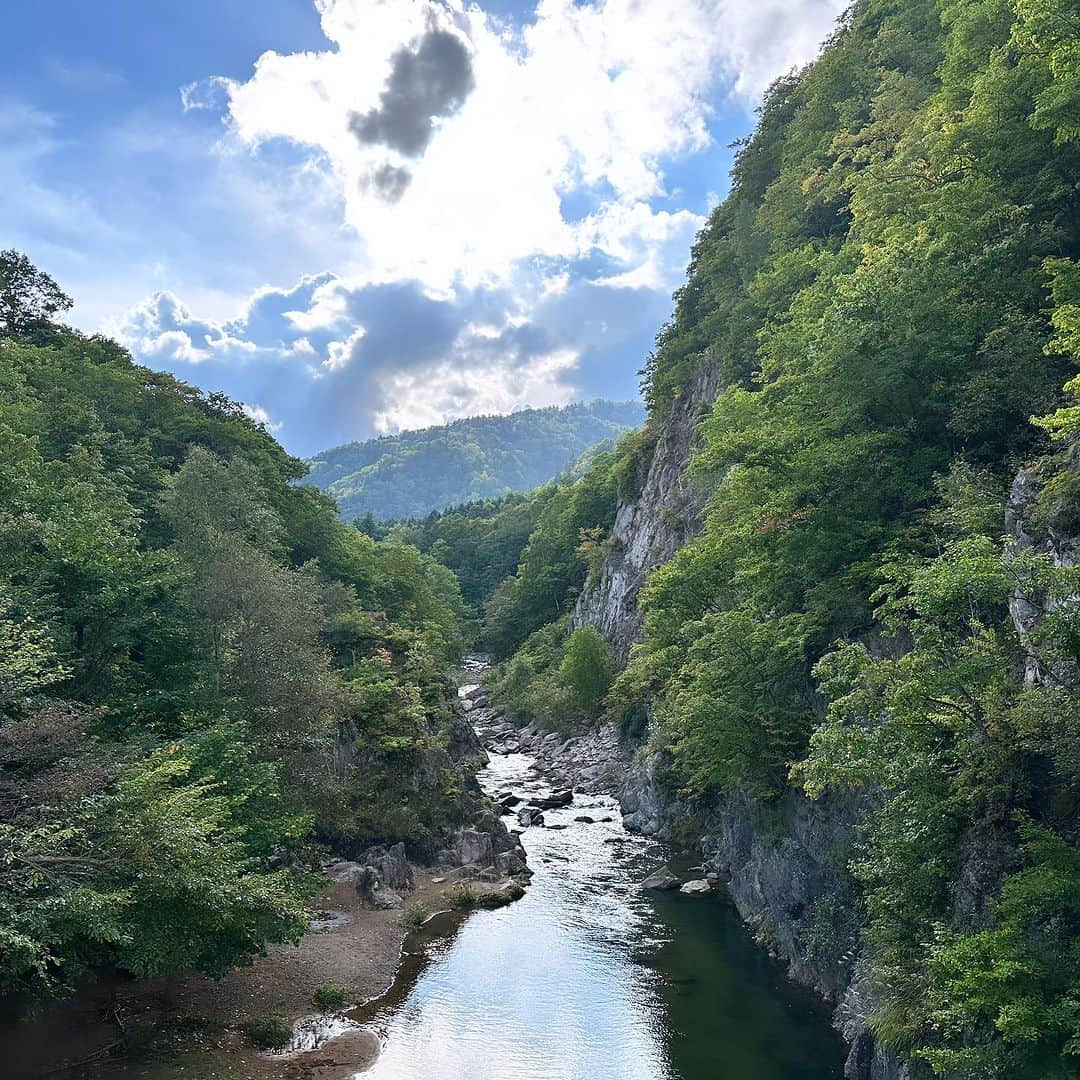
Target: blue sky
361,215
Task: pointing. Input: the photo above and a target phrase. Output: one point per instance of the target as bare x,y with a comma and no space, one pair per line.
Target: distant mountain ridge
408,475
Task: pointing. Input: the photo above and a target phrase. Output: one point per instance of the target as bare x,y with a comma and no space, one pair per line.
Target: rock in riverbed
663,880
696,888
554,800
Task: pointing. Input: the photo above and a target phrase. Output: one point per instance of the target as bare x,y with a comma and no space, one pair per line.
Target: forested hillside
405,476
203,671
891,297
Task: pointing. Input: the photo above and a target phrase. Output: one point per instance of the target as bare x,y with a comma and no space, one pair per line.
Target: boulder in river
510,892
555,799
509,863
585,819
696,888
530,815
663,880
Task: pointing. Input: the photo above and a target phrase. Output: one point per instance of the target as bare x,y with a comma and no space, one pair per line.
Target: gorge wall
650,528
784,862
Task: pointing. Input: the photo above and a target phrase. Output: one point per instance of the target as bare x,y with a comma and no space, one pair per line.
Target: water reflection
547,987
588,978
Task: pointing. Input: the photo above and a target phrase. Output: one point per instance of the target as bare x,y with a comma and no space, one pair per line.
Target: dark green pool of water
729,1011
590,978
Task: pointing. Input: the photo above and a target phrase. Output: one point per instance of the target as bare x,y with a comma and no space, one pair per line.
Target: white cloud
161,328
764,39
503,196
460,386
360,357
261,416
586,96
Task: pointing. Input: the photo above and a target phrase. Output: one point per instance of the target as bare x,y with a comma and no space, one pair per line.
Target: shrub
330,996
269,1032
416,914
586,667
462,895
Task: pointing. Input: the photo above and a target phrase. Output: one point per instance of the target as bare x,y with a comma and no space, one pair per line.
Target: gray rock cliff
648,530
784,864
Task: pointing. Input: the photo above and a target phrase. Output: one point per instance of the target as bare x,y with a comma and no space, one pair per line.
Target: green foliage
462,896
270,1032
529,685
409,475
946,736
736,706
416,914
873,292
554,562
201,666
329,996
29,298
586,668
481,542
1019,978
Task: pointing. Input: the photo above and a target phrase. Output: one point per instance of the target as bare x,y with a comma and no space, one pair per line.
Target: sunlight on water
561,985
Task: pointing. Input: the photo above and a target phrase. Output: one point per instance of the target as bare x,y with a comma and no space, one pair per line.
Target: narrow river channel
589,978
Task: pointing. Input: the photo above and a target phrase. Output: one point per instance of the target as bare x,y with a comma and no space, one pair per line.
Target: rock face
784,868
391,865
473,848
651,528
467,835
1027,610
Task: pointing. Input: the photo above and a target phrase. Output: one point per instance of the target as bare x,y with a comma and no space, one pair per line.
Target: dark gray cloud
430,80
390,182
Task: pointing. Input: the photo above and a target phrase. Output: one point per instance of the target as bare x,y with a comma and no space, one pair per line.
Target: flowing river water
587,977
590,978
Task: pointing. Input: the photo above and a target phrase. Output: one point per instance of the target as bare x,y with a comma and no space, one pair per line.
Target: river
588,977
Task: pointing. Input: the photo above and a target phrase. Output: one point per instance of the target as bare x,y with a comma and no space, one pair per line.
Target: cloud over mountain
507,189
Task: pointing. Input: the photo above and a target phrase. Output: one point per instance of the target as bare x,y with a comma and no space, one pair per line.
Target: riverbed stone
509,863
662,880
698,887
554,800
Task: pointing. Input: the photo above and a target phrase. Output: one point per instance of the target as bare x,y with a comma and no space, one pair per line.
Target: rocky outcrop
783,864
379,876
649,529
463,835
1027,606
391,865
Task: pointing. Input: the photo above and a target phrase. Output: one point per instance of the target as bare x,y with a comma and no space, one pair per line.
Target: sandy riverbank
190,1028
